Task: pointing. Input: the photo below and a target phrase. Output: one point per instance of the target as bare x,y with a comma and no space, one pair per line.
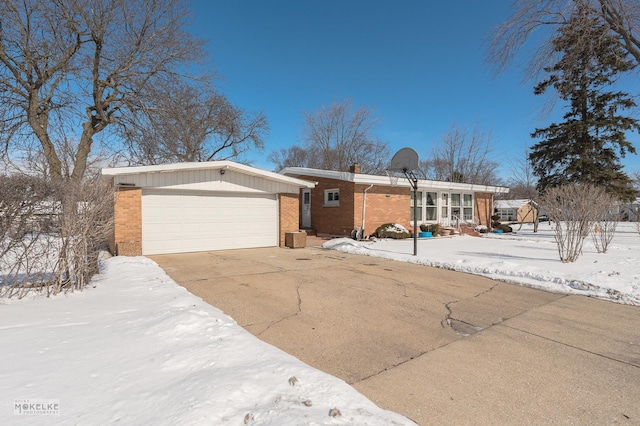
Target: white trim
207,165
384,180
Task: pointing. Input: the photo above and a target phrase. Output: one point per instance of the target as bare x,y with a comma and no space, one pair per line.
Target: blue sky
418,64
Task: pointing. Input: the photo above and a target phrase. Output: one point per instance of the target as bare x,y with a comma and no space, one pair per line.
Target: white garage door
186,221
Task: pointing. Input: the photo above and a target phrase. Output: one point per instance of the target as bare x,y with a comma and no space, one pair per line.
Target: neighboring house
336,205
188,207
515,210
630,211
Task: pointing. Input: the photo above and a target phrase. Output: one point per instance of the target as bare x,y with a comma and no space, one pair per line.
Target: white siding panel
208,180
187,221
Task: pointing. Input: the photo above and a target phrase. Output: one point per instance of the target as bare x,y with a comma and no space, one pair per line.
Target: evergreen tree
587,146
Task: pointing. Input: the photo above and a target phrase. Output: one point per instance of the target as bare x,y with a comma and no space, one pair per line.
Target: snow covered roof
366,179
511,204
207,165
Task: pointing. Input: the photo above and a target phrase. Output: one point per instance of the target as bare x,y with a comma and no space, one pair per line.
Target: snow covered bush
392,230
27,247
50,233
574,209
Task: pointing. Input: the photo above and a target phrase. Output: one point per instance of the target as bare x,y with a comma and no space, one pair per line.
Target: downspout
364,208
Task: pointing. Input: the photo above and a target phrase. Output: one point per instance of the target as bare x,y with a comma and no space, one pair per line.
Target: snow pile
136,348
525,258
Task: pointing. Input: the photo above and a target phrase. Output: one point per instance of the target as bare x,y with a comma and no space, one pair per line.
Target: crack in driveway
461,327
273,323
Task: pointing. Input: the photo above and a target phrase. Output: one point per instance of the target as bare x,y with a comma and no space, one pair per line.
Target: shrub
51,233
605,226
504,228
433,228
574,209
392,230
482,229
495,224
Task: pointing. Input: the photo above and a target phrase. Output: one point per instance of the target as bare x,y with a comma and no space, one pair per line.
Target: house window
431,206
331,197
506,214
452,207
445,206
467,204
427,206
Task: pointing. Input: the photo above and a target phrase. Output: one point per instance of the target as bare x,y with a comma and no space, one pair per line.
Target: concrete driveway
437,346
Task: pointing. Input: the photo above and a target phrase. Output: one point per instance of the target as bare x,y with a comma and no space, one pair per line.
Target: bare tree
522,185
193,122
544,17
574,209
635,177
338,136
79,67
522,182
294,156
463,156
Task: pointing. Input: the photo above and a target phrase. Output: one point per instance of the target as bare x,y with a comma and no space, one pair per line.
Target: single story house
344,201
188,207
515,210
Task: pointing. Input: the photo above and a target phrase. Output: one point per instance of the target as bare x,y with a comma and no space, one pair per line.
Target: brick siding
484,207
289,206
331,220
385,204
127,222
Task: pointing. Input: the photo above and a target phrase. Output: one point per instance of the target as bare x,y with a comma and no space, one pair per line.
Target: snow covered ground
135,348
525,258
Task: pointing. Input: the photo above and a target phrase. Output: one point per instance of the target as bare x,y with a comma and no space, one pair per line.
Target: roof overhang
207,165
377,180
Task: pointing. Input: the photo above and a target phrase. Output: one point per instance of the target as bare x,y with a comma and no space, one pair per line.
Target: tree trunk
84,148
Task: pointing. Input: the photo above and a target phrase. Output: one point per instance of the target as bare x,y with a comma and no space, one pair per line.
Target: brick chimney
354,168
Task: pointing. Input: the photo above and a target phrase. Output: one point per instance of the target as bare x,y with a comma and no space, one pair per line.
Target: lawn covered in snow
135,348
523,257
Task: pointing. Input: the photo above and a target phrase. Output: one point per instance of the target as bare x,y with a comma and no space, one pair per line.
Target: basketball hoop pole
411,177
406,159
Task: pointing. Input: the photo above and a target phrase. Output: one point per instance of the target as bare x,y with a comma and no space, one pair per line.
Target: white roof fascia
365,179
207,165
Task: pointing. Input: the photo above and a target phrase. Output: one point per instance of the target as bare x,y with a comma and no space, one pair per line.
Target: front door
306,208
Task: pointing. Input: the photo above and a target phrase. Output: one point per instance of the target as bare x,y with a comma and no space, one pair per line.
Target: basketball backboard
405,160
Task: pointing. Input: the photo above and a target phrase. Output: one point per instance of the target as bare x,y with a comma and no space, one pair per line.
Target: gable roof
207,165
378,180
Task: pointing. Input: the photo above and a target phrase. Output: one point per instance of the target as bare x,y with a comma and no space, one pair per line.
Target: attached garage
191,207
184,221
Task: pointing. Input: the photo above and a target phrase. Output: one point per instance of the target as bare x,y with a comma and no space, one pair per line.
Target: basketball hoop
393,178
406,161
